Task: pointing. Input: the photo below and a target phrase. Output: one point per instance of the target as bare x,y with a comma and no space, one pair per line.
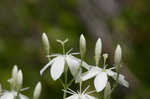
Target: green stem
71,82
117,81
80,86
80,78
63,45
17,97
66,74
62,83
66,82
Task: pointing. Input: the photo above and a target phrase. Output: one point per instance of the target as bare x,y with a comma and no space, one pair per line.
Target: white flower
37,91
12,95
101,78
16,80
58,64
79,95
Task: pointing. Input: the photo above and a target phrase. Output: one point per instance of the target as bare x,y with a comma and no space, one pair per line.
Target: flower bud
98,51
45,43
118,55
19,80
82,46
107,91
37,91
13,79
15,72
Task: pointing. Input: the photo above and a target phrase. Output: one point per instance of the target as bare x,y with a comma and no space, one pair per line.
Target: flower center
103,70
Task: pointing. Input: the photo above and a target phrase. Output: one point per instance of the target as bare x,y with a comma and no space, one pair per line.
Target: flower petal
7,95
89,97
75,96
47,65
21,96
73,65
91,73
84,64
122,80
78,76
100,81
57,67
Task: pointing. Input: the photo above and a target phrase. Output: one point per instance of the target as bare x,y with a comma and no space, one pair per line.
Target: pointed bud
14,72
107,91
98,51
13,79
118,55
45,43
37,91
19,80
82,46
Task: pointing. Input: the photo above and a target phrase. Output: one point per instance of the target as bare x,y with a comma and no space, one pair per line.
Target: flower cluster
61,63
16,82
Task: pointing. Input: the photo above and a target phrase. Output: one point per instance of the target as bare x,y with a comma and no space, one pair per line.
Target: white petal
73,65
91,73
78,77
84,64
100,81
46,66
89,97
111,73
21,96
82,97
122,80
57,67
7,95
75,96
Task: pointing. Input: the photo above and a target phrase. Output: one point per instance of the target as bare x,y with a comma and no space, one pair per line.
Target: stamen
86,89
23,89
105,66
67,91
91,92
60,41
71,90
112,68
53,55
77,53
66,40
69,51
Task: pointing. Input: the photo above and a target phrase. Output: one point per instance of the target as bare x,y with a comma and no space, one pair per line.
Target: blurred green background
116,21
